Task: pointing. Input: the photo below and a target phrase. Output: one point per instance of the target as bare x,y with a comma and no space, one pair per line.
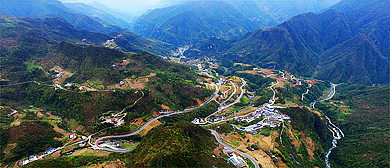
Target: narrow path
273,97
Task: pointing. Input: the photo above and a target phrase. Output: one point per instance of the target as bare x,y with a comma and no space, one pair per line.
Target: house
32,157
81,144
72,136
121,82
21,163
237,161
51,150
68,85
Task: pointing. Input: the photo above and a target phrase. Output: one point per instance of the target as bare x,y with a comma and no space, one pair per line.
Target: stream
336,131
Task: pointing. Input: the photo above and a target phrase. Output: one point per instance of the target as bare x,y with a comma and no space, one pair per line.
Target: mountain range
54,8
188,22
347,43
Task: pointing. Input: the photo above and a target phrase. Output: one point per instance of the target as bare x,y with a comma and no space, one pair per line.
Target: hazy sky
130,6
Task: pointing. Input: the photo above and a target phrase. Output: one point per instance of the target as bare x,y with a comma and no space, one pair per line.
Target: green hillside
362,113
43,9
330,45
190,22
170,145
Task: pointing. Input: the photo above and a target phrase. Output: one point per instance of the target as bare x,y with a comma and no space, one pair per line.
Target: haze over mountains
327,45
89,70
346,43
188,22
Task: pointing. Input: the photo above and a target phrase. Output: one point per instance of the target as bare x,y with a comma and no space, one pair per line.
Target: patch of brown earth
15,123
265,143
295,142
89,150
59,130
109,164
208,80
56,154
312,81
137,121
39,114
217,151
310,146
64,74
155,114
164,107
155,123
53,117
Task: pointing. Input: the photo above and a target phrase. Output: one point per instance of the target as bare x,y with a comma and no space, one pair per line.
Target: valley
195,84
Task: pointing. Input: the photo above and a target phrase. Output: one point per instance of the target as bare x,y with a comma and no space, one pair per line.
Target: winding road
215,133
97,146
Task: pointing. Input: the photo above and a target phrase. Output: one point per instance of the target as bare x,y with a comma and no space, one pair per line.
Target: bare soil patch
310,146
164,107
89,150
150,126
53,117
295,142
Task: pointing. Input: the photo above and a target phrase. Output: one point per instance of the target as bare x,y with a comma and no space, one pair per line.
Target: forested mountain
27,38
98,14
267,13
365,125
190,22
54,8
342,46
34,52
127,17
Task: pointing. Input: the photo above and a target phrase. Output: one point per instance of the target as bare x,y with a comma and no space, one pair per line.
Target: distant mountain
98,14
286,9
351,45
189,22
127,17
54,8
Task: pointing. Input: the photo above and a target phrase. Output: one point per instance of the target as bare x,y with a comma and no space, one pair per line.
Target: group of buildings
36,157
271,118
238,161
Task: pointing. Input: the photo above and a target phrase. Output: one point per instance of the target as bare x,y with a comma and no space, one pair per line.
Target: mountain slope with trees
327,46
43,9
190,22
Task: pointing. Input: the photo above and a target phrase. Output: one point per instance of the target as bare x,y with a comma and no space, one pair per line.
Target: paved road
96,146
236,101
331,94
273,97
233,149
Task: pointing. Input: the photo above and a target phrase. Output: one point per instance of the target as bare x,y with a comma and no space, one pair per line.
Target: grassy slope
180,144
366,126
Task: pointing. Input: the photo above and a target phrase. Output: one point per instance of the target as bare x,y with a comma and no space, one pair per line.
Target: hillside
362,113
37,65
319,45
43,9
190,22
104,16
270,13
193,146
